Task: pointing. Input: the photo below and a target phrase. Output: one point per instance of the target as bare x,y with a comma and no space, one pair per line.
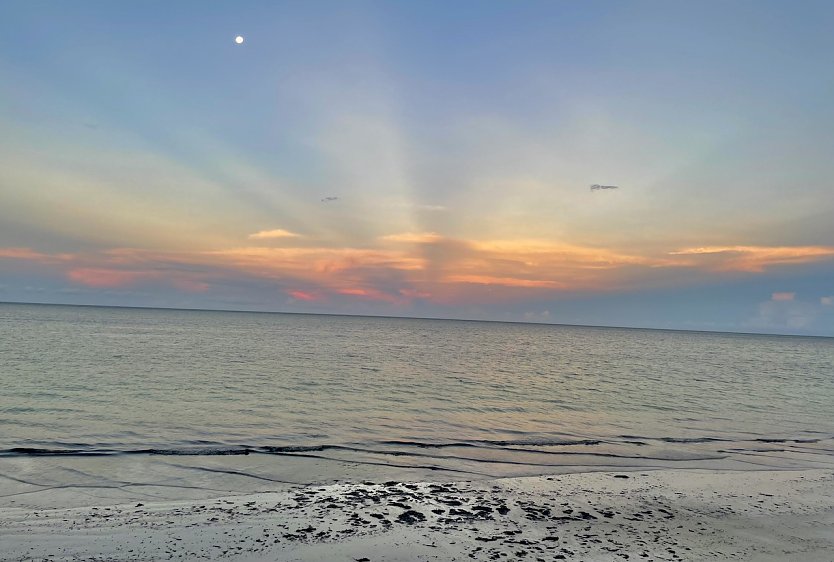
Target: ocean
314,398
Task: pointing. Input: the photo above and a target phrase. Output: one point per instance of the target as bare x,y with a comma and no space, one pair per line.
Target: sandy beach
652,515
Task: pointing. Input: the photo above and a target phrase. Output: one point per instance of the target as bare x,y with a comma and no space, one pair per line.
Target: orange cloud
425,266
536,252
356,292
505,281
756,258
313,262
413,237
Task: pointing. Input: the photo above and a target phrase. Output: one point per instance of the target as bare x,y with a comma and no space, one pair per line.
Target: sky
427,159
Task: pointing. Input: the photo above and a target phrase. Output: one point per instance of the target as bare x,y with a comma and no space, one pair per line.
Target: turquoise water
114,381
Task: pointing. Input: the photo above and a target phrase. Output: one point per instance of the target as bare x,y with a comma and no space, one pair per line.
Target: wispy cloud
106,278
415,206
506,281
413,237
274,233
30,254
782,296
756,258
303,295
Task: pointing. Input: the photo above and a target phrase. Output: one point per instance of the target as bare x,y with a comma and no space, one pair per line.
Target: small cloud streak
782,297
505,281
827,301
413,237
191,285
275,233
304,296
31,255
104,278
370,294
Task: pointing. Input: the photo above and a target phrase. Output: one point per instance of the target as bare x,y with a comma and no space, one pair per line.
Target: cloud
538,252
112,278
417,206
827,301
415,294
309,262
420,268
371,294
303,296
31,255
191,285
506,281
784,315
756,258
275,233
104,278
413,237
782,296
543,316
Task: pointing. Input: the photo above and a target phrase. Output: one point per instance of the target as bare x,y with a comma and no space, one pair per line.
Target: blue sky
148,160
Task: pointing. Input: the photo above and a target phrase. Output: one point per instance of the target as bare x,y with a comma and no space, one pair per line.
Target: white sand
659,515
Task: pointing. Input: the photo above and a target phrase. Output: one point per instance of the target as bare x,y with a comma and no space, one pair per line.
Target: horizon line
558,324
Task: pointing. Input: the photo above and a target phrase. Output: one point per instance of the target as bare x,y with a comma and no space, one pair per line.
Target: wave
217,450
556,447
497,443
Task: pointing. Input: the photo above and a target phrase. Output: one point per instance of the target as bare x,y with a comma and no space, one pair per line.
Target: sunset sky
424,159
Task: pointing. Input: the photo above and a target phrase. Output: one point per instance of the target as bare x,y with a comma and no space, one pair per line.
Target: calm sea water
84,380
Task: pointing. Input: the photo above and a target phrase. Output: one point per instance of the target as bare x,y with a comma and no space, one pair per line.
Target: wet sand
650,515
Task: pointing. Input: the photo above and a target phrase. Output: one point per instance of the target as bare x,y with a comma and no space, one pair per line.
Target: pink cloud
783,296
20,254
304,296
32,255
104,278
190,285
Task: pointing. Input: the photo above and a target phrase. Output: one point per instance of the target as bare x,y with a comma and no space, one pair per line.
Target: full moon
239,39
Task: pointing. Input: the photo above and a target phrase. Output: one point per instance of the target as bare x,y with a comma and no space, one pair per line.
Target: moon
239,39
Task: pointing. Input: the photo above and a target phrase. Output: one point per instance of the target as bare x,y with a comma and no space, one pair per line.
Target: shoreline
39,482
692,514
